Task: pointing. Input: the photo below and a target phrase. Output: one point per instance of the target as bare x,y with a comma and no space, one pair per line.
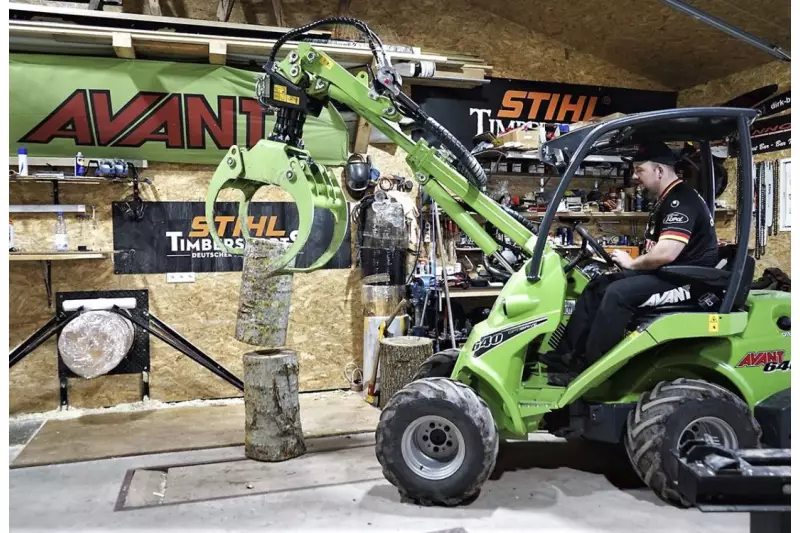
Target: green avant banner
153,110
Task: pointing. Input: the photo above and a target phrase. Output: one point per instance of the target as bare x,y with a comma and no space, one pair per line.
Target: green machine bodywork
495,361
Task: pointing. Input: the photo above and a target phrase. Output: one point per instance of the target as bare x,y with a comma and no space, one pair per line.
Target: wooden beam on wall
361,140
217,52
277,8
123,45
224,9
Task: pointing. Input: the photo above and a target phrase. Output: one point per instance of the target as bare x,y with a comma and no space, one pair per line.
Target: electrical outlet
180,277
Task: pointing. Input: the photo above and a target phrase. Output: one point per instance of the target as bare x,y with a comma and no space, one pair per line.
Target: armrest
708,276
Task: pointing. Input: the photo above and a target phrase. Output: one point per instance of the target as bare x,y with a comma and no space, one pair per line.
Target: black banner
776,104
506,103
771,134
174,236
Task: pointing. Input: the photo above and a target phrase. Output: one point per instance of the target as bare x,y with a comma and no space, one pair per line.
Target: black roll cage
701,124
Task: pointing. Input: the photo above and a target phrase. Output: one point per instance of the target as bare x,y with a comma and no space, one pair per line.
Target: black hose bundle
372,37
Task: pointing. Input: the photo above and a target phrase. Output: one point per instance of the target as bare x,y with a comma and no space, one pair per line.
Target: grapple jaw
310,184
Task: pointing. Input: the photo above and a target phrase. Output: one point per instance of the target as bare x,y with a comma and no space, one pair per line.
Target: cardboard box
524,137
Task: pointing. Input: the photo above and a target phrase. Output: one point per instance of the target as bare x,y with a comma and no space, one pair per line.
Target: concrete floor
542,485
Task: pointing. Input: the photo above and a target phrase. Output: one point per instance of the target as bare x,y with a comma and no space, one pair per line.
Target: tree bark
273,431
399,359
264,297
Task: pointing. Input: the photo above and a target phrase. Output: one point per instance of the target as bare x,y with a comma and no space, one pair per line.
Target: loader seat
702,282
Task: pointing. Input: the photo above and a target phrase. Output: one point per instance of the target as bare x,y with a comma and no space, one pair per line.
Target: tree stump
272,430
264,297
399,359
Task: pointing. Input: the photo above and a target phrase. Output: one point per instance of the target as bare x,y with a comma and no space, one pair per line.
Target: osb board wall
778,252
204,311
513,49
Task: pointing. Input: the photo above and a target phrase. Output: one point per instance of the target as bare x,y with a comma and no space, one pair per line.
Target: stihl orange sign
547,106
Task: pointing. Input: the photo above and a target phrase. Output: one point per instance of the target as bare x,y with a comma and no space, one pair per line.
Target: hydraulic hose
470,166
521,219
372,37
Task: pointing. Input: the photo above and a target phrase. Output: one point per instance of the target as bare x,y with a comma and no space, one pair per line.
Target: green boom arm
313,186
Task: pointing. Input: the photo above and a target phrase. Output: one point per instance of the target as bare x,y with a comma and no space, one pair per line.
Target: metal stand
757,481
138,359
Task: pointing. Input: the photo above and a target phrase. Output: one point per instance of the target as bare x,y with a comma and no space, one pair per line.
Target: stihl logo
264,227
547,106
753,359
180,121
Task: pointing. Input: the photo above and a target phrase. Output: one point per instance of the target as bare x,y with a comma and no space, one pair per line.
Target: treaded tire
462,407
439,365
655,426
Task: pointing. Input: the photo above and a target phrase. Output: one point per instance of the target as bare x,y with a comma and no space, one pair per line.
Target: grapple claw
310,185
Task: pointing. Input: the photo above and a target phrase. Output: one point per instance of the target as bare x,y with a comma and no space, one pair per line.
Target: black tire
460,406
439,365
655,426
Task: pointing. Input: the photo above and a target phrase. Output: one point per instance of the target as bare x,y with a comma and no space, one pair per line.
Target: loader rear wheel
439,365
677,411
437,442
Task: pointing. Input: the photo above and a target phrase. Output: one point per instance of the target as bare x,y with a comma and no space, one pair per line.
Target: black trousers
604,310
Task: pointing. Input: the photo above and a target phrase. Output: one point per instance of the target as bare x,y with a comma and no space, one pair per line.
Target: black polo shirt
682,215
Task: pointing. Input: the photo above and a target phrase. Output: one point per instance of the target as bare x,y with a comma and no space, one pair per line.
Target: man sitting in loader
680,231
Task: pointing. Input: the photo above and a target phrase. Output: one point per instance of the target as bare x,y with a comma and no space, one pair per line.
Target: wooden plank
123,45
217,52
277,8
361,140
155,8
55,256
224,9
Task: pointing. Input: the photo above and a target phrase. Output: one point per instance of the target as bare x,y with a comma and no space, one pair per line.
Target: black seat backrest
727,254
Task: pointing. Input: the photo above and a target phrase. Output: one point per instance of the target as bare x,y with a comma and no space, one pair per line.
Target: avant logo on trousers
673,296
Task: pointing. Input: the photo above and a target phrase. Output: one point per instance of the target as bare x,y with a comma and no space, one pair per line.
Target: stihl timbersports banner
771,134
153,110
507,103
174,236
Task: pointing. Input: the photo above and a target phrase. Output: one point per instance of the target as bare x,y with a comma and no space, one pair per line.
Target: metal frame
555,151
148,323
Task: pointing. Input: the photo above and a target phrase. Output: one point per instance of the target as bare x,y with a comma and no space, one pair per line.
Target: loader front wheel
437,442
675,412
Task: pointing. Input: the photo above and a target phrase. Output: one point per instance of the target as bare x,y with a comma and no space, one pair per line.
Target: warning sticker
713,323
326,62
281,95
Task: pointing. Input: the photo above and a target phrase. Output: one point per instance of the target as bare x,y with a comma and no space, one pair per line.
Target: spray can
80,165
22,161
639,200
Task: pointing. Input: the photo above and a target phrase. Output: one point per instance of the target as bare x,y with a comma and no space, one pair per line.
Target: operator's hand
623,259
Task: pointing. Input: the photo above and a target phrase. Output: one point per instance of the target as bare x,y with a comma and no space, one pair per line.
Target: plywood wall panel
778,253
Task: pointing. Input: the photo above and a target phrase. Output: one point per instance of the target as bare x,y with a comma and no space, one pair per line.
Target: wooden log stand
399,359
273,431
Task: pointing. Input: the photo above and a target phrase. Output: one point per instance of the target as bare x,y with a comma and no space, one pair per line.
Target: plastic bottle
639,200
22,161
61,234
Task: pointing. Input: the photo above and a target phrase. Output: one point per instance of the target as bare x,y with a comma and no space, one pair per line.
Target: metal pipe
444,274
702,16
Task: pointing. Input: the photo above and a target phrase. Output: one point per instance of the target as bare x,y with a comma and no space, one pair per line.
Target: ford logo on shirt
676,218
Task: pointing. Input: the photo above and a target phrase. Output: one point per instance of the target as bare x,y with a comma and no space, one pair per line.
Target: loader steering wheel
587,238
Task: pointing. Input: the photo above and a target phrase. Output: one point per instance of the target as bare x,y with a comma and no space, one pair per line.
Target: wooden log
399,359
272,430
264,296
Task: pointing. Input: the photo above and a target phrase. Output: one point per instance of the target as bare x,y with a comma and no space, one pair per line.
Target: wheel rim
712,430
433,447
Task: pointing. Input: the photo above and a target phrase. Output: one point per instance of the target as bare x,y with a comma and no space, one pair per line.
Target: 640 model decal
487,342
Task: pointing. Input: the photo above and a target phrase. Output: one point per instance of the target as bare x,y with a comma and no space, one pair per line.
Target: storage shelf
56,256
478,292
83,180
47,208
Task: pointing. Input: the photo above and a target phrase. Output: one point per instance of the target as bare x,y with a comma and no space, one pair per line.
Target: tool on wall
383,331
